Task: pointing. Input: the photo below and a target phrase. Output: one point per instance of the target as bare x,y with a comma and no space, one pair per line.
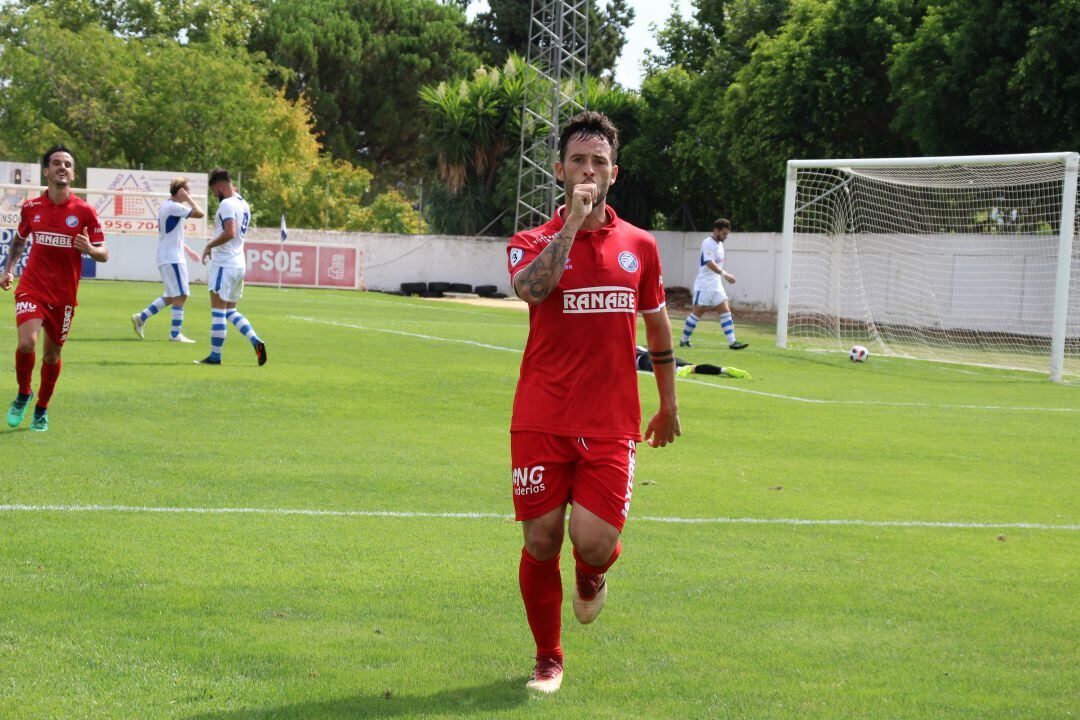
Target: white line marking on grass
777,396
500,516
878,403
402,332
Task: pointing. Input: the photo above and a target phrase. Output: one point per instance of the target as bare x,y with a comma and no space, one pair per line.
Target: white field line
881,403
402,332
499,516
717,386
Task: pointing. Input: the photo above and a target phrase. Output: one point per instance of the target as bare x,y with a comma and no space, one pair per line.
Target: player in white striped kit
170,257
225,251
709,290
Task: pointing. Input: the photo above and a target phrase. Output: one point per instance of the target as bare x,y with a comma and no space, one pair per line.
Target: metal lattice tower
555,89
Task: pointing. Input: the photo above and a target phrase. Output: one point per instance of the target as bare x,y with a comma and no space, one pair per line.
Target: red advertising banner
301,265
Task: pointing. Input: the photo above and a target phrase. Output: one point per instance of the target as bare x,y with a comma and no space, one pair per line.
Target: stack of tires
439,289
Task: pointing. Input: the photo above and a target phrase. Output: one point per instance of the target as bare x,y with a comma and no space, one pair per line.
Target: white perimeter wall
1005,286
390,260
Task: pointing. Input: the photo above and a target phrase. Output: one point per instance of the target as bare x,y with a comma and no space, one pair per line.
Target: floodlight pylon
555,89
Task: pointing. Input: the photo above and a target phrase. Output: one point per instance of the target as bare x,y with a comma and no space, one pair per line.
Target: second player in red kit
586,275
63,227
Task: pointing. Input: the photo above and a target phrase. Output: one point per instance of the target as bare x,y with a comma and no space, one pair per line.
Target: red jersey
578,374
54,266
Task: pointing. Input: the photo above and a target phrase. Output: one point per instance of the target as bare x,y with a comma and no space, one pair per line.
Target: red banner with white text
302,265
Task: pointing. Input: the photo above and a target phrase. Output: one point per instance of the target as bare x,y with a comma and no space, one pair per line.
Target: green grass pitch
378,403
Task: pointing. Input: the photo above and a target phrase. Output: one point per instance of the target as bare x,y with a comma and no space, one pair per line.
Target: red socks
586,569
49,374
541,589
24,370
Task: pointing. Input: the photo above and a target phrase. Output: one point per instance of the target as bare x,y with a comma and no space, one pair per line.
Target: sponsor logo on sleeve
628,261
516,255
613,299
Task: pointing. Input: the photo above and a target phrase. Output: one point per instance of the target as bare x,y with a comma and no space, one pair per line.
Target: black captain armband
662,357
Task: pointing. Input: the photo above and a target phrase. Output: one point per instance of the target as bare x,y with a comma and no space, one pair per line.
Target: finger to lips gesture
584,198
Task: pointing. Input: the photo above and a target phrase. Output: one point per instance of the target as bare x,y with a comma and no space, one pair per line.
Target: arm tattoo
661,353
15,252
542,275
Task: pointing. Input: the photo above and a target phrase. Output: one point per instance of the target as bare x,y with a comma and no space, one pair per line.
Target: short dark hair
589,124
176,184
55,149
721,224
219,174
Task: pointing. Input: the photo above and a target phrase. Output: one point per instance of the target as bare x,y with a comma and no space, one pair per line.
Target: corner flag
284,233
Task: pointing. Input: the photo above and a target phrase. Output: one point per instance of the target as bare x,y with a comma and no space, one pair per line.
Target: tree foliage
188,20
991,76
503,30
360,64
153,102
473,140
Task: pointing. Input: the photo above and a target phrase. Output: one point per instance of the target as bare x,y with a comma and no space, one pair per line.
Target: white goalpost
956,259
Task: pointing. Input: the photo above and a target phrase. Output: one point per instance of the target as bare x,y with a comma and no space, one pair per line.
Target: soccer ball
858,354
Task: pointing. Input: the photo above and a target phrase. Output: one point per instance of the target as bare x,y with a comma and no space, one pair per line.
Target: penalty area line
945,525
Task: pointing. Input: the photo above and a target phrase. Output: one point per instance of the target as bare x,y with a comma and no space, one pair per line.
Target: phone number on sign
110,225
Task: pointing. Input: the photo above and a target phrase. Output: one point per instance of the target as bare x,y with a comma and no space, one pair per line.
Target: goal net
963,259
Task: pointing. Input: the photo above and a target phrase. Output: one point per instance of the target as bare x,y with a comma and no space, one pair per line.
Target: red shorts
56,319
550,470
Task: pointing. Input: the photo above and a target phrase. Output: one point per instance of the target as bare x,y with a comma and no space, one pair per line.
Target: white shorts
709,298
227,282
174,278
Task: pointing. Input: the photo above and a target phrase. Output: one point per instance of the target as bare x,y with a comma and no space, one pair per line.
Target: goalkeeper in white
709,290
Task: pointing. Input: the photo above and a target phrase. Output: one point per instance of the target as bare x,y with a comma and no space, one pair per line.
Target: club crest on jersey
37,218
628,261
516,254
71,221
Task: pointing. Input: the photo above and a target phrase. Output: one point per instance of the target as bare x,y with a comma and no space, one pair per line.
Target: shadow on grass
458,702
132,363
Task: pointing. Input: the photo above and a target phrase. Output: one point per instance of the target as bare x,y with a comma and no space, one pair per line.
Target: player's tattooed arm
15,251
539,278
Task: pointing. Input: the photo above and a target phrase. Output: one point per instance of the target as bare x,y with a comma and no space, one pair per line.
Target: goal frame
1071,161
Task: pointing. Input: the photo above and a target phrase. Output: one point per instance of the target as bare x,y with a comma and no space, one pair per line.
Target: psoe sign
302,265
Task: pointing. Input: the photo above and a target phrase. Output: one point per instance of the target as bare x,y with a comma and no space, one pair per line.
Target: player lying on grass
685,369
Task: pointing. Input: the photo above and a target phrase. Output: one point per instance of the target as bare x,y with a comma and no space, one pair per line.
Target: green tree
155,102
360,64
991,76
189,20
320,192
504,30
474,139
819,88
142,101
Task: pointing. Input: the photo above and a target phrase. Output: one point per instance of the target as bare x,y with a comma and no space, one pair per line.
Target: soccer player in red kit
63,227
586,275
